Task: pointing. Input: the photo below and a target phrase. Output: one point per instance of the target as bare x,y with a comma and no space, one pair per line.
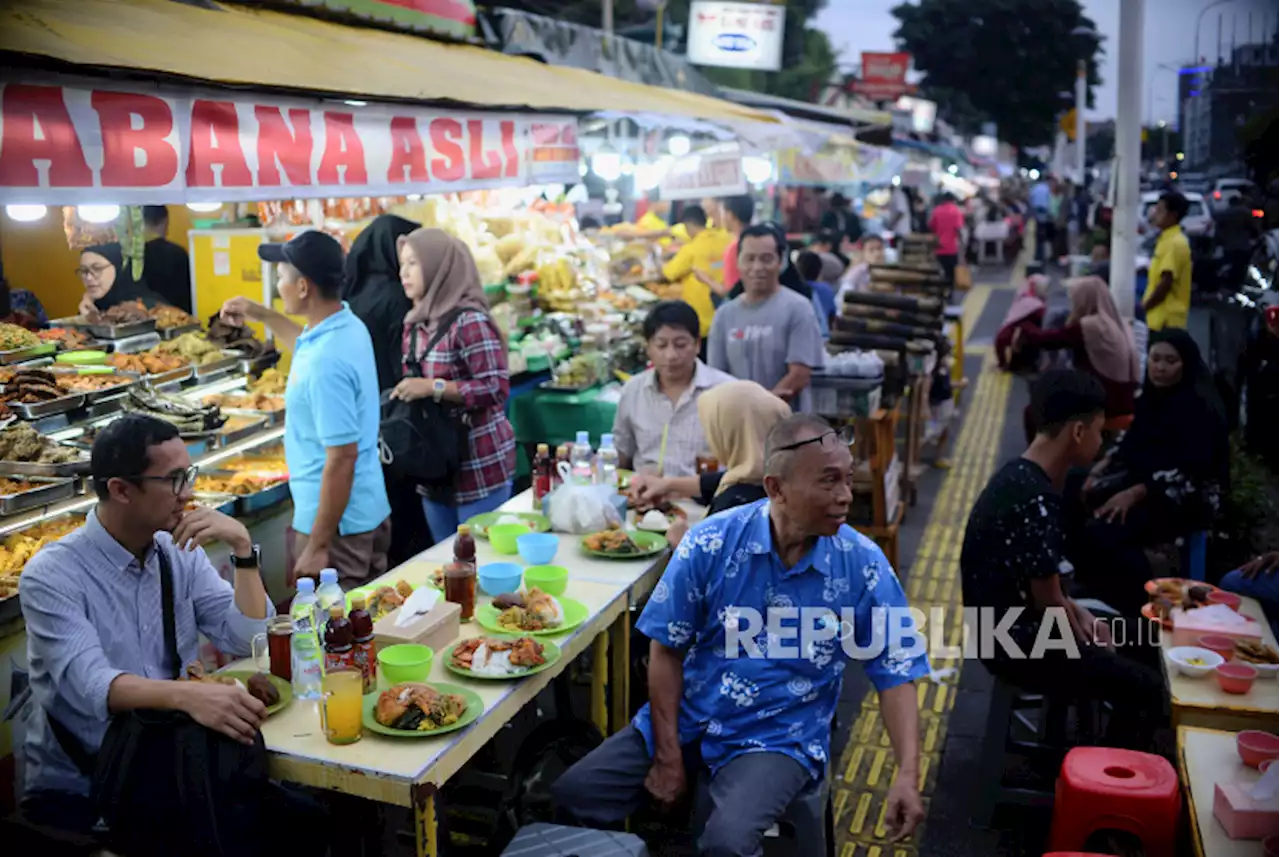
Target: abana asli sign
62,145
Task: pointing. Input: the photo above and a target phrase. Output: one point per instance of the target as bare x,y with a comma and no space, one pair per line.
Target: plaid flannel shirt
473,355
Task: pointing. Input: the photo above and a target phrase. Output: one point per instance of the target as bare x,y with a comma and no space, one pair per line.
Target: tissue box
1242,816
1188,628
437,628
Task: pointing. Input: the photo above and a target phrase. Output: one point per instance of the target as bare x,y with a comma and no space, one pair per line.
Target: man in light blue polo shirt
341,517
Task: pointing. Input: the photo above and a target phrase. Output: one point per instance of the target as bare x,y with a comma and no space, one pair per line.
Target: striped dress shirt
92,614
645,414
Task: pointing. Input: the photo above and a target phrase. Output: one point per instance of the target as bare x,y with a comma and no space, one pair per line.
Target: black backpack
422,442
164,785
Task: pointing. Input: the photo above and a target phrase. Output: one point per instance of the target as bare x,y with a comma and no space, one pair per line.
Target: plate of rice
499,657
419,710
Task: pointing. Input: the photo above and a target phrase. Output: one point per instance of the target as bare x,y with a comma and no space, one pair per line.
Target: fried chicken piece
527,652
403,588
464,653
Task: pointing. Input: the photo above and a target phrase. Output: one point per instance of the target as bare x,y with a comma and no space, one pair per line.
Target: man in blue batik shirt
752,578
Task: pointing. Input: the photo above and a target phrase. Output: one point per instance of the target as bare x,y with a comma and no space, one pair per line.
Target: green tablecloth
545,416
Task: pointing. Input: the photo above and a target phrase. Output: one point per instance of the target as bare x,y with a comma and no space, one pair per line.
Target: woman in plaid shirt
467,366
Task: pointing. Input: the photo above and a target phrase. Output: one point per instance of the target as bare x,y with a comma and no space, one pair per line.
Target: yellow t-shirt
703,252
1172,254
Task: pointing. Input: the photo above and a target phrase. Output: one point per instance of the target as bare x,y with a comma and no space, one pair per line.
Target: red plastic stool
1100,788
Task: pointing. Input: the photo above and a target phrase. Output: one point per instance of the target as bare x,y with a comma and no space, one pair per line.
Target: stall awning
235,46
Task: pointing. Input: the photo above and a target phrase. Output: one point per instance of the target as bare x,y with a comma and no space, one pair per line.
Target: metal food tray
229,360
269,418
18,355
127,380
175,332
264,499
224,438
182,373
107,330
34,468
224,503
137,344
48,491
259,364
60,405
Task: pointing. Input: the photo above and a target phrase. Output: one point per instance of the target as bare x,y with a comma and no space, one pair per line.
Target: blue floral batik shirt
723,575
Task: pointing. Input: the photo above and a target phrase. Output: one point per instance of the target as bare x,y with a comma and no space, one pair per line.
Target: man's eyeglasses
178,481
829,439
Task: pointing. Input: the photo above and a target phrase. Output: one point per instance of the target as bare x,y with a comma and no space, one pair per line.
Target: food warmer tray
223,438
48,491
270,418
224,503
106,330
60,405
229,361
36,468
18,355
261,363
182,373
264,499
175,332
127,380
137,344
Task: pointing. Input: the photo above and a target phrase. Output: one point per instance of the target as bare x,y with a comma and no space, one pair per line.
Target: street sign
884,75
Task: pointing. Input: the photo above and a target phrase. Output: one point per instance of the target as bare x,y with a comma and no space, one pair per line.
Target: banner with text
63,145
703,175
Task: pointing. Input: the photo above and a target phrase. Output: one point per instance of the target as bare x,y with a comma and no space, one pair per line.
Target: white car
1225,189
1197,224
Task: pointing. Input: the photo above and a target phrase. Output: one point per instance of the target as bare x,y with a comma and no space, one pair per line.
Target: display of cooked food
193,347
189,418
14,486
533,610
271,383
414,707
239,484
18,548
151,362
259,686
264,464
168,317
1172,592
31,387
238,339
384,599
1255,652
495,657
235,424
124,313
13,337
69,338
246,401
20,442
612,540
73,382
5,412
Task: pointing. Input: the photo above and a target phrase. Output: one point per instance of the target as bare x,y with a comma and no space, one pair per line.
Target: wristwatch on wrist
437,389
253,560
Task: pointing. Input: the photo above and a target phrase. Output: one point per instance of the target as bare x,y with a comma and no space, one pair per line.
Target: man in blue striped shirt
92,605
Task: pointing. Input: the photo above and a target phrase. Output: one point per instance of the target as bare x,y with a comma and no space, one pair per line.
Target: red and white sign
736,34
884,75
64,145
703,175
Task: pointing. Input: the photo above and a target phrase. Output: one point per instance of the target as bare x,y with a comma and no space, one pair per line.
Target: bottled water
329,595
580,469
607,462
308,659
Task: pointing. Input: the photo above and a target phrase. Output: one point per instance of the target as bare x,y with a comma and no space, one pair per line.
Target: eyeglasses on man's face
177,480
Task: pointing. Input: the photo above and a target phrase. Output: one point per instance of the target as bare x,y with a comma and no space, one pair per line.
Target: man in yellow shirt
704,251
1167,299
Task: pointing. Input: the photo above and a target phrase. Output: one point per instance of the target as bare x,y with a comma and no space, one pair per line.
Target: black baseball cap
317,256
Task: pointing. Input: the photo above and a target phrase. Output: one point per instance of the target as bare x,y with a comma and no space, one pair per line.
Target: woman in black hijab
108,281
1172,467
371,286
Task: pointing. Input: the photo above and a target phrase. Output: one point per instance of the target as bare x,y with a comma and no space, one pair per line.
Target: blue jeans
443,519
1265,587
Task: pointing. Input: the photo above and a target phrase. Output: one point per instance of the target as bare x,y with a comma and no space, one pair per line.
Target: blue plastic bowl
499,577
538,548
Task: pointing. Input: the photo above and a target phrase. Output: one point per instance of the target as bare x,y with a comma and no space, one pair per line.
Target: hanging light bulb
98,213
679,145
758,170
204,207
606,163
647,177
26,213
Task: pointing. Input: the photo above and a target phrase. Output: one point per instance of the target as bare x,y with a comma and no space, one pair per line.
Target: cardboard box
438,628
1242,816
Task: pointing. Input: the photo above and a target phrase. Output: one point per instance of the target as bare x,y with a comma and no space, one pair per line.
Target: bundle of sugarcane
878,313
923,305
885,328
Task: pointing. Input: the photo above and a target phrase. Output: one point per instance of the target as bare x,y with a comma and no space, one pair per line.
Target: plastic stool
554,840
1100,788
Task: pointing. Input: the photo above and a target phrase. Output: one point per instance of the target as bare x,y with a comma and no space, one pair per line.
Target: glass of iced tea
340,706
278,639
706,463
460,587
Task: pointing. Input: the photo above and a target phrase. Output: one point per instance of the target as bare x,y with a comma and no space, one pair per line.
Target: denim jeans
443,519
1264,587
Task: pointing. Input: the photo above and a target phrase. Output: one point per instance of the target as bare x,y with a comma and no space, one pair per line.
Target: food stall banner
704,174
64,145
884,75
453,18
736,34
839,166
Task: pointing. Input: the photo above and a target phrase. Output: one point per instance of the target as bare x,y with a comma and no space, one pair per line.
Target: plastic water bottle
308,659
580,469
328,596
607,462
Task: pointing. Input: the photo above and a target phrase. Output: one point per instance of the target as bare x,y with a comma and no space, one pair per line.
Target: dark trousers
948,261
745,798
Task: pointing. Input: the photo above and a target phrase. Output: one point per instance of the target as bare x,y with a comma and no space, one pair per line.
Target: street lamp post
1082,96
1199,19
1124,217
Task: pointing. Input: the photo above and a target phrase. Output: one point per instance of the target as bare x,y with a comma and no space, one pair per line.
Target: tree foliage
1001,61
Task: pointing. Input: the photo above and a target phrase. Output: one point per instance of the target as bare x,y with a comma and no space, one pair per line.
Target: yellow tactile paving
866,766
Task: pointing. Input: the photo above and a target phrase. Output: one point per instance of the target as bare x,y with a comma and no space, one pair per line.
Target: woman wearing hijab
1101,344
467,367
1171,468
736,418
1026,314
371,287
108,281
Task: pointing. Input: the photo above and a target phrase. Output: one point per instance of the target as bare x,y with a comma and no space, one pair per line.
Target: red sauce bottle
464,546
542,469
362,649
338,648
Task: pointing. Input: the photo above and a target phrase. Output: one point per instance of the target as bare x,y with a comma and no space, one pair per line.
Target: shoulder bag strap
446,325
166,606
